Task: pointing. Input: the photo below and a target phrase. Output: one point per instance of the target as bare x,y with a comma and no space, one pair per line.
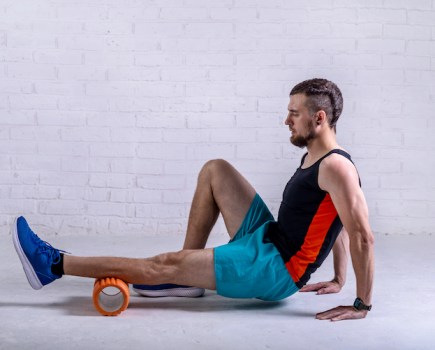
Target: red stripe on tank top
316,234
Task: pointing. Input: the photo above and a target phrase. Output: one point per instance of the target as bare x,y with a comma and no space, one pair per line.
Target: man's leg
220,189
187,267
43,264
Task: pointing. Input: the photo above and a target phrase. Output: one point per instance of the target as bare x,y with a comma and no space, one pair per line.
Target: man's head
323,95
315,104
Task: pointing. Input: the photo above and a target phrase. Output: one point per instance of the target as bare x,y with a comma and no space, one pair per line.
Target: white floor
62,315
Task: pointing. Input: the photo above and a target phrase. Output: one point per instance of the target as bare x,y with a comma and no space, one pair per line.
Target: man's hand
322,287
342,313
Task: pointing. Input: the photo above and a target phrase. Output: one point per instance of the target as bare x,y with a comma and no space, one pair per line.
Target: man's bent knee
215,166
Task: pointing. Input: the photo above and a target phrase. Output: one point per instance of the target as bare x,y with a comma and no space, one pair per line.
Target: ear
321,117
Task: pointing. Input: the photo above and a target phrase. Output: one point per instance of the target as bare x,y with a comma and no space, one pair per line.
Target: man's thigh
232,192
258,214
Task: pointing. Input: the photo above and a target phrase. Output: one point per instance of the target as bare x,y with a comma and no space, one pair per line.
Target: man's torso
308,223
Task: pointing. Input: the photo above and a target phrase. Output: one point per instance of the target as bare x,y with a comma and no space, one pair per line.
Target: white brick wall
108,111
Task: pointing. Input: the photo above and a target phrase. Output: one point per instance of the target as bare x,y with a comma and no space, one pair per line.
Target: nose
287,120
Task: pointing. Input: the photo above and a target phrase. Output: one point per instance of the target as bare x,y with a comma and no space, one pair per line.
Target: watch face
357,304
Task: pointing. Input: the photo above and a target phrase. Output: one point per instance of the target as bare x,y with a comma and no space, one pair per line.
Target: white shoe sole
33,279
191,292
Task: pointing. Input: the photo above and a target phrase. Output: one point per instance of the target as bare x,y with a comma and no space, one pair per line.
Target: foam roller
111,296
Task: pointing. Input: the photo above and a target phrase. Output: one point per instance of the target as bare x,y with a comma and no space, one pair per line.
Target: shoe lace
45,248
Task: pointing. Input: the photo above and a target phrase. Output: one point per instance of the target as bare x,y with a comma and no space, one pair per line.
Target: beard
302,141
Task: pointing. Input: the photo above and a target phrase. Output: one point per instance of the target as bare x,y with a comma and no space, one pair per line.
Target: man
265,259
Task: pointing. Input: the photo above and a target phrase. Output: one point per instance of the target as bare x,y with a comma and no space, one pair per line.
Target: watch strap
359,305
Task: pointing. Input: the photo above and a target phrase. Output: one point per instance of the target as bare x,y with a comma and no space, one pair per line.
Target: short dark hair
322,95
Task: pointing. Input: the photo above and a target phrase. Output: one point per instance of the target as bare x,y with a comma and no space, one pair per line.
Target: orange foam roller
111,296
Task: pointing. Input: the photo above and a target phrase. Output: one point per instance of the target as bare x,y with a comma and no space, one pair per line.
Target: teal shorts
250,266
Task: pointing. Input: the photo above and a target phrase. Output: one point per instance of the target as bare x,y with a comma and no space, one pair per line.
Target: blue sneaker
168,290
36,255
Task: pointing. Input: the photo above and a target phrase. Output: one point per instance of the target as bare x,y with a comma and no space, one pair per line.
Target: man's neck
321,145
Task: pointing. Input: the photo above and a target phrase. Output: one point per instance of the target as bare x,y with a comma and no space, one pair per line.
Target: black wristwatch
359,305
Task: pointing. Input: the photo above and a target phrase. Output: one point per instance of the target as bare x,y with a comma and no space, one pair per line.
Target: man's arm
340,253
339,178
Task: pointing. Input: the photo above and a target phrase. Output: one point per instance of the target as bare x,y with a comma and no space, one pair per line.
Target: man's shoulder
336,168
338,159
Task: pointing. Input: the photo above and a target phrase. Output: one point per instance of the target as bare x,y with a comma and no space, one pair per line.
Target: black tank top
308,223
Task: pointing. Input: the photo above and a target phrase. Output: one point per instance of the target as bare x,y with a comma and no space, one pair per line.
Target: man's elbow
367,239
362,239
